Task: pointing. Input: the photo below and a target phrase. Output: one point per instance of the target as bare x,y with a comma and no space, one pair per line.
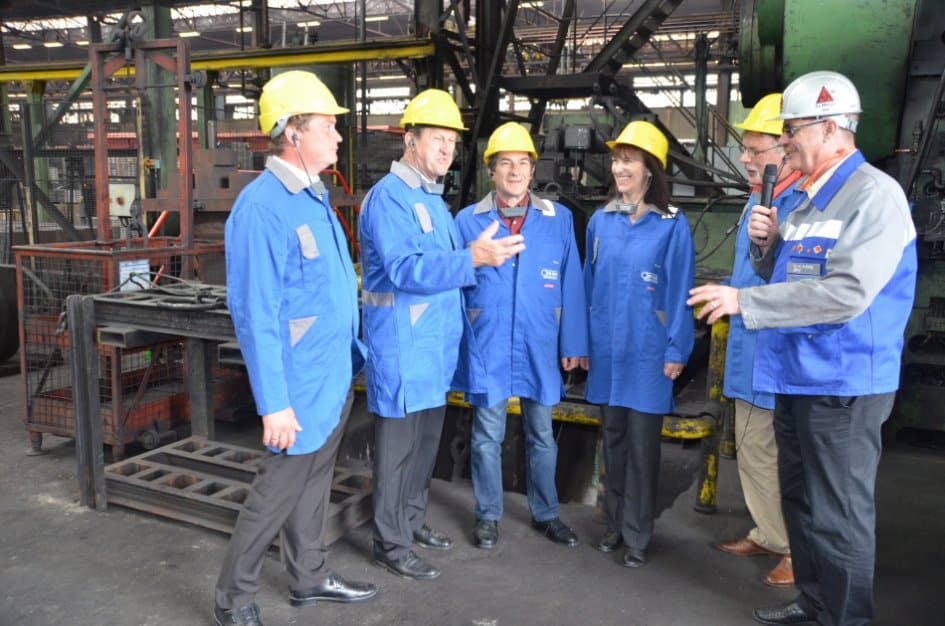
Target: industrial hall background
128,433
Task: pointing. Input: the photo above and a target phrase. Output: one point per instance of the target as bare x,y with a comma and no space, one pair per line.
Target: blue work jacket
412,268
292,295
740,345
637,277
841,290
529,311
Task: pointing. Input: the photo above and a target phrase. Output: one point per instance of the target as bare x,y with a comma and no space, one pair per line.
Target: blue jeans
541,453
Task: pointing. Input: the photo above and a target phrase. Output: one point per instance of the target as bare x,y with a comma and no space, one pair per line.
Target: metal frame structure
47,274
173,56
484,65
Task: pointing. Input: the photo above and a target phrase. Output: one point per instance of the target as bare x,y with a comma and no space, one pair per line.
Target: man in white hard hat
413,267
292,294
755,446
527,316
843,270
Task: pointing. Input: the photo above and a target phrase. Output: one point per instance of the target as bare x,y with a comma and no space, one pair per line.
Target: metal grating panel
205,482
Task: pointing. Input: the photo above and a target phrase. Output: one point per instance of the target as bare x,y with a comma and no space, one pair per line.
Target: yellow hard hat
510,137
432,107
644,136
294,93
763,117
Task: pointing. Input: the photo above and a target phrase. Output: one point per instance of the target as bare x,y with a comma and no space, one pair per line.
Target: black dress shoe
409,566
790,613
241,616
429,538
486,533
634,558
334,589
557,531
610,542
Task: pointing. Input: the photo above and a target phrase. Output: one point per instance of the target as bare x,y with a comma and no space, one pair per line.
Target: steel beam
89,441
487,103
199,355
78,86
632,36
24,172
603,68
537,112
555,87
349,52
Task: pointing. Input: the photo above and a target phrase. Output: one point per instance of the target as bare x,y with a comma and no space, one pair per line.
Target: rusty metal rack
141,388
205,482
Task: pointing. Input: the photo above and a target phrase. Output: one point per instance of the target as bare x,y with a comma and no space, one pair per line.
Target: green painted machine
894,51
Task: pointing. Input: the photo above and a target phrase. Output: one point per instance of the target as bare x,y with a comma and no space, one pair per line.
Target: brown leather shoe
744,547
783,573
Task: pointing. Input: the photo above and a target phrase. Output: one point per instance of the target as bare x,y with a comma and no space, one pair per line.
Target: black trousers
828,454
404,457
290,491
632,465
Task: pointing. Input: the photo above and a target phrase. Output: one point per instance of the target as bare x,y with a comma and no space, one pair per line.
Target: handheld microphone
768,179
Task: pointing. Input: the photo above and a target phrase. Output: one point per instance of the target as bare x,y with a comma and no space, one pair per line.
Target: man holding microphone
842,269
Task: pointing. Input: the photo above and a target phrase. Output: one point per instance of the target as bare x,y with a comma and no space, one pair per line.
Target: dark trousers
829,450
291,492
404,457
632,462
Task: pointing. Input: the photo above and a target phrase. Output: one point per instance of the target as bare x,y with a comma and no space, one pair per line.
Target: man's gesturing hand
488,251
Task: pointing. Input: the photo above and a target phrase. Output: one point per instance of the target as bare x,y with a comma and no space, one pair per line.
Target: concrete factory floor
61,563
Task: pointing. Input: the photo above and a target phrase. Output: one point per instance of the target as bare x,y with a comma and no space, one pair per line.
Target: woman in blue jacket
638,269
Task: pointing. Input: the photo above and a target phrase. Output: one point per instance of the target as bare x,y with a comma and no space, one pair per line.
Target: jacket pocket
811,359
298,327
312,265
308,246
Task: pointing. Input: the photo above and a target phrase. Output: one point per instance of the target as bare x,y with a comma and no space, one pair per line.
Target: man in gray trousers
292,294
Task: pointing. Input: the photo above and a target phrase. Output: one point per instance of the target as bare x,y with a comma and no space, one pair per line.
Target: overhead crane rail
348,52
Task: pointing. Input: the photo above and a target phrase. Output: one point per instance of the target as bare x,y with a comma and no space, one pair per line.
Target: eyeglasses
752,152
790,131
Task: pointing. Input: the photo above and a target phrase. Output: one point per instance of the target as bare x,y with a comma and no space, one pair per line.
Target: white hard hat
821,94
